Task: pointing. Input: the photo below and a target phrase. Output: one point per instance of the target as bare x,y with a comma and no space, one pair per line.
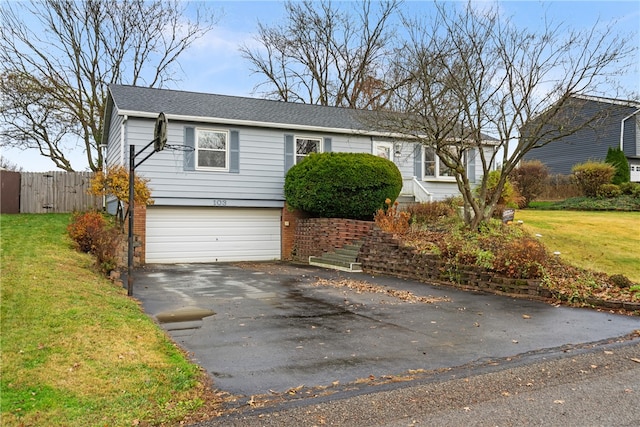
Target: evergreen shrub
617,158
342,185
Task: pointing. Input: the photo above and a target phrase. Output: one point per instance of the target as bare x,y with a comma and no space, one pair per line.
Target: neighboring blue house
611,123
224,200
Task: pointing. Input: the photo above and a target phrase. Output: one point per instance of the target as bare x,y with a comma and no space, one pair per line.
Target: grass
622,203
607,242
76,351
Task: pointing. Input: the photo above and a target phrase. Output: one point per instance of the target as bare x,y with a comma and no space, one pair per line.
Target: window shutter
234,152
417,161
326,148
471,165
189,157
289,152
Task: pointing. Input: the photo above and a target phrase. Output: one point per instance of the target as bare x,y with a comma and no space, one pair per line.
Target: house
224,200
601,123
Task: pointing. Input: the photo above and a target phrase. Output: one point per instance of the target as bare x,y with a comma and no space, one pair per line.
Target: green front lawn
608,242
76,351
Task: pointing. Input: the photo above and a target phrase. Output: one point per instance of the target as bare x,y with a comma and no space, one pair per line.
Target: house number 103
219,202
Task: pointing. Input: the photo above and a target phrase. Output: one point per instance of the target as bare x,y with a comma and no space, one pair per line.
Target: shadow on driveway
274,329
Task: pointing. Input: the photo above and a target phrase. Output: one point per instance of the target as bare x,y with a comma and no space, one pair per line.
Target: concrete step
405,200
344,258
350,252
332,256
335,264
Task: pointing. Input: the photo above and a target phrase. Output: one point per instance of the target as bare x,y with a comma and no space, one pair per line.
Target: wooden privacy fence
57,192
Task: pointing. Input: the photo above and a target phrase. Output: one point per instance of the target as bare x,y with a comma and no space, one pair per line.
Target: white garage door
195,234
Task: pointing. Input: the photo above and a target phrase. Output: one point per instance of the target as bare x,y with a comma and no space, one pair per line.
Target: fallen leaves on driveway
360,286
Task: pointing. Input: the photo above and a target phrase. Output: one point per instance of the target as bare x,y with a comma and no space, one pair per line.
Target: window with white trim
434,168
212,149
306,146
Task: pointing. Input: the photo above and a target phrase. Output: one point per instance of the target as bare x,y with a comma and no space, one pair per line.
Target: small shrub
105,248
93,234
530,179
617,158
522,258
630,189
485,259
609,191
429,212
620,281
391,219
84,229
509,197
591,175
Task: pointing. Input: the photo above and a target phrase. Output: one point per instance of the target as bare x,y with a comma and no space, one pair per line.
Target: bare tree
326,55
471,81
58,57
8,165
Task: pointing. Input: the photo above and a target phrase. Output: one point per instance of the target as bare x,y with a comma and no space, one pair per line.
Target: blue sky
214,64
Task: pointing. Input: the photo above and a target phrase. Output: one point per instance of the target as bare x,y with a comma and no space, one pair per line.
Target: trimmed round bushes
342,185
591,175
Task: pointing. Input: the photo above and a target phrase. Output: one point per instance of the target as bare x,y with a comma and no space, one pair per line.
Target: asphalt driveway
275,328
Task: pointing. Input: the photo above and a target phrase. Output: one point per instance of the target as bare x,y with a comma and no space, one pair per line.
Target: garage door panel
182,234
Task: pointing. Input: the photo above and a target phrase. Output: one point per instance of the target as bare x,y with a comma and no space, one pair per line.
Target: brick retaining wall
315,236
382,253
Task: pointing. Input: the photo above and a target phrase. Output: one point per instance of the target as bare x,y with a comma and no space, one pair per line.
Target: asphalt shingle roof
182,103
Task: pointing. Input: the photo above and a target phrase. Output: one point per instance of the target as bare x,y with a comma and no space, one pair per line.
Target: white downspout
622,128
122,138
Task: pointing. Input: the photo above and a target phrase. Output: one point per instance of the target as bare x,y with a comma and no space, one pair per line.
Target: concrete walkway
276,332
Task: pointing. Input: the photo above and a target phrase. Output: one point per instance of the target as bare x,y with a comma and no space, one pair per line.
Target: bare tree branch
468,76
64,64
326,55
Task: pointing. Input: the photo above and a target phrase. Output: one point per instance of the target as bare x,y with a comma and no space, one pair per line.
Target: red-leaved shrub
84,228
530,179
523,258
93,234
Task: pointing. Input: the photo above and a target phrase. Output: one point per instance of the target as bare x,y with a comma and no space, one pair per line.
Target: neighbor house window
306,146
434,168
212,149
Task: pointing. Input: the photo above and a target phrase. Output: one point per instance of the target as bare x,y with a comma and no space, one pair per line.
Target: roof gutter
239,122
272,125
622,128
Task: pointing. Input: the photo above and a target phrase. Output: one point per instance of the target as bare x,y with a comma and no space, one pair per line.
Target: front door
383,149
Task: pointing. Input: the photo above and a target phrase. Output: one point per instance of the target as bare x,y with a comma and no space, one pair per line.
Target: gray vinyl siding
590,143
114,143
114,153
259,180
442,189
636,120
364,144
403,158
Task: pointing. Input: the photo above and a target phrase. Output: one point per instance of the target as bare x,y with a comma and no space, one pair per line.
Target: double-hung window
306,146
434,168
212,149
